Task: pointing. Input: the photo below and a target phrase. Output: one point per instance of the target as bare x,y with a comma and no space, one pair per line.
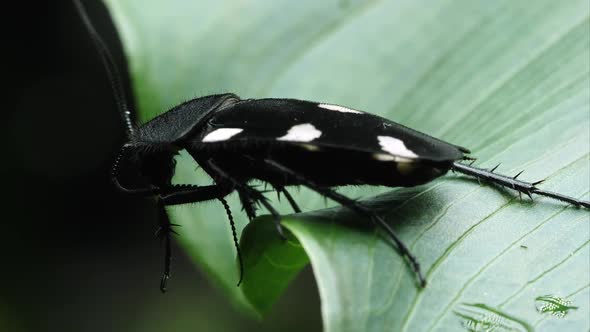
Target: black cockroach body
283,142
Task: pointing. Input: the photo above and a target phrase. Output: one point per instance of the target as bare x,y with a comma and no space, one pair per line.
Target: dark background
76,254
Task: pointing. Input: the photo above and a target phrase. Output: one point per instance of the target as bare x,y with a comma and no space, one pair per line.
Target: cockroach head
145,165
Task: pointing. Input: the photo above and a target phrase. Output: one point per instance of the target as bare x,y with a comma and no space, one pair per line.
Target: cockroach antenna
111,68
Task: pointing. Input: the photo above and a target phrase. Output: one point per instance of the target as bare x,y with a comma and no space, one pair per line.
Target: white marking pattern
338,108
383,157
222,134
396,147
301,133
388,157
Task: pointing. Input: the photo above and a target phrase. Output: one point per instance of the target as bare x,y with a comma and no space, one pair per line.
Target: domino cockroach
282,142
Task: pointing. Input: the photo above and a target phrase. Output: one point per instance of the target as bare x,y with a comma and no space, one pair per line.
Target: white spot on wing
396,147
339,108
388,157
383,157
301,133
221,134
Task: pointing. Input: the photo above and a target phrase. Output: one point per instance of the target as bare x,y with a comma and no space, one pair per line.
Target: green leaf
509,79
